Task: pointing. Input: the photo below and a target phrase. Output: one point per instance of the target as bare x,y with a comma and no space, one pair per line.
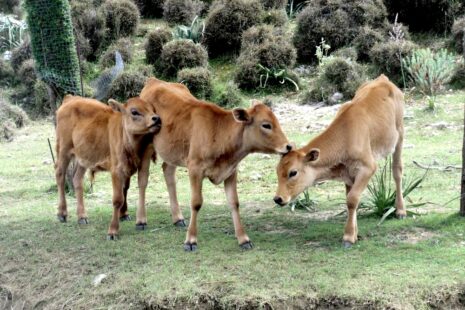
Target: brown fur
364,130
104,138
210,142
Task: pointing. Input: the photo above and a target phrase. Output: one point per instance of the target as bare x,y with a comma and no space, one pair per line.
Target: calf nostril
156,119
278,200
289,147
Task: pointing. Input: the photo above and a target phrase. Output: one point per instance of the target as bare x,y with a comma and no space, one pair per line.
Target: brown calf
102,138
364,130
210,142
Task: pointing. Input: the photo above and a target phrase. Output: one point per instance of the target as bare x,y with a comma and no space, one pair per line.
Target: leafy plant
12,32
322,51
293,8
382,195
304,202
281,75
193,32
430,71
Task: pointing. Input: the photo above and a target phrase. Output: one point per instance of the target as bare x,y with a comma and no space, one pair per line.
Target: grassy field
297,262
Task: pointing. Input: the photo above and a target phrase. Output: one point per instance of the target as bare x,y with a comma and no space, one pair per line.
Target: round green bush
27,73
181,11
154,44
336,75
90,28
458,34
227,95
11,118
386,57
40,105
275,17
337,21
7,75
123,46
365,40
121,17
127,85
458,79
198,80
273,4
225,23
20,54
179,54
150,8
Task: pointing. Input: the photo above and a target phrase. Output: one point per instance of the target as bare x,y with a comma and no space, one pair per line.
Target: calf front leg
118,201
230,188
142,180
123,212
79,191
195,178
353,199
169,172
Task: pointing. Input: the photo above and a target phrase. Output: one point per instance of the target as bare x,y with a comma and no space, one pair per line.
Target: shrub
127,85
424,16
20,54
154,44
124,46
458,79
122,18
11,118
198,80
90,28
227,95
181,11
7,75
336,75
40,105
337,21
179,54
365,40
387,56
273,4
458,34
430,71
150,8
346,52
275,17
27,73
265,53
225,23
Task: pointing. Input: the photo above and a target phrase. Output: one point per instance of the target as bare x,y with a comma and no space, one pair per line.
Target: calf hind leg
61,166
169,172
195,178
79,191
397,174
124,215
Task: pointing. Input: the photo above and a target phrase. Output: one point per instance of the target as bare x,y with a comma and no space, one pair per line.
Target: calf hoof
125,218
141,226
190,247
62,218
83,221
112,237
248,245
180,223
347,244
401,216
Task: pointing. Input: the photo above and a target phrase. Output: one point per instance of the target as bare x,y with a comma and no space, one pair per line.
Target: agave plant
304,203
12,32
193,32
281,75
292,8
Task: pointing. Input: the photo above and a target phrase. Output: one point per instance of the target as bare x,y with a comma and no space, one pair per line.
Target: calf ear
115,105
313,155
241,115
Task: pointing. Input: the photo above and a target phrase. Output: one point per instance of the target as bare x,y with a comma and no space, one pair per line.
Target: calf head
296,171
262,131
139,117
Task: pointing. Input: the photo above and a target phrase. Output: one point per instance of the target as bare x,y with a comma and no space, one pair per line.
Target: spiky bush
124,46
90,28
458,79
337,21
122,18
275,17
263,47
227,95
273,4
198,80
225,23
179,54
7,75
387,58
21,54
335,75
365,40
430,71
11,118
181,11
154,44
458,34
40,106
150,8
27,73
127,85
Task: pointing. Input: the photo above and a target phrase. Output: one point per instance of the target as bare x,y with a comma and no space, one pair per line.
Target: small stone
98,279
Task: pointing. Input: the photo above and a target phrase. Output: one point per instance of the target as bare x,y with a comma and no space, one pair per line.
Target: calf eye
267,126
134,112
293,173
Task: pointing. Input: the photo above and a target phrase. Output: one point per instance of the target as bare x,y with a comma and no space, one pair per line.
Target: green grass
297,259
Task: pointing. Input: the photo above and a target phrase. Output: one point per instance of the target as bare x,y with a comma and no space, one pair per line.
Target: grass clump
121,17
123,46
458,34
11,118
225,23
273,4
179,54
127,85
198,81
21,54
27,73
154,43
7,75
227,95
365,40
181,11
276,18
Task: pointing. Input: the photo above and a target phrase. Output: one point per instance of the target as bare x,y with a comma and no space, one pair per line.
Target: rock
335,98
440,125
98,279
